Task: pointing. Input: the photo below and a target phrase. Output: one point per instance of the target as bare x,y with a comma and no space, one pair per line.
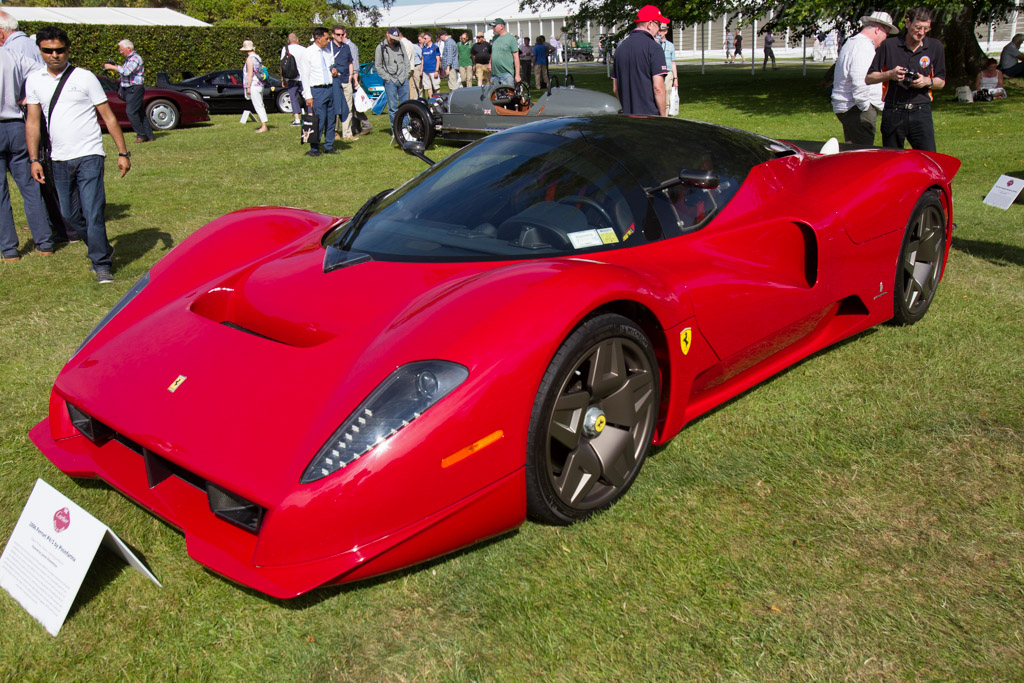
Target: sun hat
247,46
882,19
651,13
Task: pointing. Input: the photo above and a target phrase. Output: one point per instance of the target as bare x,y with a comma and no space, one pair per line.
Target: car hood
274,357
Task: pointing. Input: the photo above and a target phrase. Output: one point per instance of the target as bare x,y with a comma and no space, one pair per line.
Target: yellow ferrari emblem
599,423
176,383
685,338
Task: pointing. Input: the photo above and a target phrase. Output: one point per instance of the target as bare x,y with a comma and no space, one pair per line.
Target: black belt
12,120
907,106
325,85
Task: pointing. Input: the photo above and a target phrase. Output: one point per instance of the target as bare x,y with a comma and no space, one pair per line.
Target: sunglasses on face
52,50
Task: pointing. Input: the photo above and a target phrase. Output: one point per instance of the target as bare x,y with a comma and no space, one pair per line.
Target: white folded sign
49,553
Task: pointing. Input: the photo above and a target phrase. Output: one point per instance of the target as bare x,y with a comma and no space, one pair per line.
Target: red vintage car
316,400
166,109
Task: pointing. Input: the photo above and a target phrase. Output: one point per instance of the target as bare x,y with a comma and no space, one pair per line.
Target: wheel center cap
594,422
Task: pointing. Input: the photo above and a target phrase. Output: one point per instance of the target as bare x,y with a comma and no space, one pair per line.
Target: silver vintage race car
467,114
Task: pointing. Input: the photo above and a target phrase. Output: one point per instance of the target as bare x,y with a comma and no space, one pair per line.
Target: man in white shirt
16,41
856,104
315,71
14,158
76,142
291,81
1010,59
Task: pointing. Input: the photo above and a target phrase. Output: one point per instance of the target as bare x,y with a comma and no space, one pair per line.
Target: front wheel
412,124
592,422
921,258
283,102
163,115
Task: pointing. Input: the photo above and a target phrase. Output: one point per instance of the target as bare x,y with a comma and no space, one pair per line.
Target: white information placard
49,553
1004,192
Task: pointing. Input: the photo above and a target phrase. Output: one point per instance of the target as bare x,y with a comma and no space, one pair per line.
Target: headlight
397,401
129,295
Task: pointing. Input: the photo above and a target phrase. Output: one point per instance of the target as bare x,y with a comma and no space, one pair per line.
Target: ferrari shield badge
685,338
177,383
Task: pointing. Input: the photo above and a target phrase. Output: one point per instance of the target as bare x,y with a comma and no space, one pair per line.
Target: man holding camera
909,67
855,103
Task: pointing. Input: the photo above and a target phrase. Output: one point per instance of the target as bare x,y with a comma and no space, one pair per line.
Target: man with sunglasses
638,79
909,67
76,143
342,69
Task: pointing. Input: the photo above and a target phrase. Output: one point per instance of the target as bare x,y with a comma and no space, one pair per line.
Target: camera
910,76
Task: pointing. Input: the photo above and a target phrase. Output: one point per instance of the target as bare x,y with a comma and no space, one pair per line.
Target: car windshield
512,196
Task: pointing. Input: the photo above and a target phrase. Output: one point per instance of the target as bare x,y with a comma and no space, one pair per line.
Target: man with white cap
855,103
639,76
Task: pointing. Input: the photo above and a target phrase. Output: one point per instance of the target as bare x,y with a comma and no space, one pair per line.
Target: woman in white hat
253,83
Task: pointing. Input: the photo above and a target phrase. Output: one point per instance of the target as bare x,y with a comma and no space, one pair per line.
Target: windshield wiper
355,224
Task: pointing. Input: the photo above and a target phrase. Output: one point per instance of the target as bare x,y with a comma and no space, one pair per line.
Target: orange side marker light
472,448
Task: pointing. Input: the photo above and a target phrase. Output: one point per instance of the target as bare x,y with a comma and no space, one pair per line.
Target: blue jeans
396,94
913,126
14,158
83,201
323,107
503,79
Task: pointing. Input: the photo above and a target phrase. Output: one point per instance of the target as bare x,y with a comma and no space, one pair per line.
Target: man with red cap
639,77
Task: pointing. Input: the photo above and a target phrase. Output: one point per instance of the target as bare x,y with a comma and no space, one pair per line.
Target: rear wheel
283,101
921,259
163,114
592,422
412,123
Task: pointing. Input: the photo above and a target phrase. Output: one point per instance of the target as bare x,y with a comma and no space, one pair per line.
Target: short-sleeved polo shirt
502,50
638,59
929,60
74,129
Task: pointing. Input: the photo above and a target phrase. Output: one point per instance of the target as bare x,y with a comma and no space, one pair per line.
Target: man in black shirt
481,54
639,76
909,66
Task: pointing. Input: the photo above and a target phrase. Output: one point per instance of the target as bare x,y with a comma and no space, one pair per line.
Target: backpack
259,72
289,67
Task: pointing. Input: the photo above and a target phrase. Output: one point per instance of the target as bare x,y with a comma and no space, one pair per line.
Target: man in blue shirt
669,48
431,66
639,75
450,60
540,63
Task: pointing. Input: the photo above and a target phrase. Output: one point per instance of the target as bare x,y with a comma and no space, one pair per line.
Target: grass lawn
860,516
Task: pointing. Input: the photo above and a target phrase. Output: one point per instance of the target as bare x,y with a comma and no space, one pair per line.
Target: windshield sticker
608,235
584,239
629,232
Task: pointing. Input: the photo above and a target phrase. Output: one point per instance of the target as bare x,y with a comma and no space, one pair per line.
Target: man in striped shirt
132,91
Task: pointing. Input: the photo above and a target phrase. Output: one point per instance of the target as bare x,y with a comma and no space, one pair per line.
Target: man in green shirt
466,60
504,56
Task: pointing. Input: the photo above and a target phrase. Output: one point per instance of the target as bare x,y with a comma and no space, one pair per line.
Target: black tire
283,102
163,114
592,422
412,122
922,256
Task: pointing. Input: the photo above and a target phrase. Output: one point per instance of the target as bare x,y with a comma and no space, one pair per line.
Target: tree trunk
964,56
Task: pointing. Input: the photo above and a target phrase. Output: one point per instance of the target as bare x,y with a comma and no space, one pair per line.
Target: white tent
143,16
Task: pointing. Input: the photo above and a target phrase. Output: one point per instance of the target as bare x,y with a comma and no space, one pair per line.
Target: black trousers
135,107
908,125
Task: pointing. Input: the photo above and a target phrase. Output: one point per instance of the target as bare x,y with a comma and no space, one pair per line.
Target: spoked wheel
412,123
921,260
592,422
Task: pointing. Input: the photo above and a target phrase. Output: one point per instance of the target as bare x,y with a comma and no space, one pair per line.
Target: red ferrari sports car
166,109
316,400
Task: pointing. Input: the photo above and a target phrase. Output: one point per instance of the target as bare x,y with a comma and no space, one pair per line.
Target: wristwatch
34,161
126,155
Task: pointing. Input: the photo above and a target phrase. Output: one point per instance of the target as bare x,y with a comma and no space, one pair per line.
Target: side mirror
416,148
705,180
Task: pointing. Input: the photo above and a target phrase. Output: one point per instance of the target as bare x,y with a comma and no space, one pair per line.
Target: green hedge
194,48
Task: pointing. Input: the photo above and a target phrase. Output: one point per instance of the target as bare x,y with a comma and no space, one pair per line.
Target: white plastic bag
361,100
964,94
673,102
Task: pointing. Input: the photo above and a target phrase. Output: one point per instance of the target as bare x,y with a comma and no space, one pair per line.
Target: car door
228,91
